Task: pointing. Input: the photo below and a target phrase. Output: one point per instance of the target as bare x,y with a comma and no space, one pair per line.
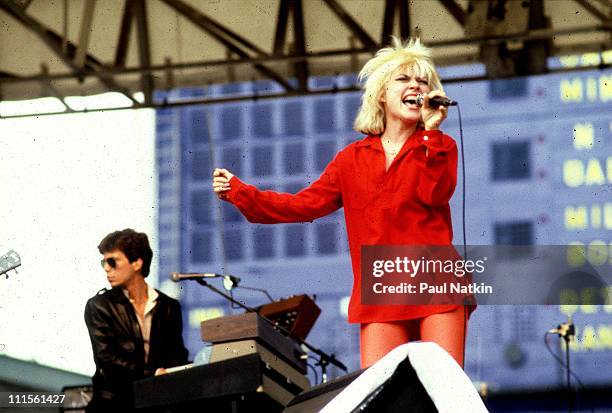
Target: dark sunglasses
110,261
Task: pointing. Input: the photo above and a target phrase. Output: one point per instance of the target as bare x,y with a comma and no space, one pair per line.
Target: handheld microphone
177,276
436,101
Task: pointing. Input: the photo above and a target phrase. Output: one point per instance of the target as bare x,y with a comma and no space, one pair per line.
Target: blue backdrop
538,154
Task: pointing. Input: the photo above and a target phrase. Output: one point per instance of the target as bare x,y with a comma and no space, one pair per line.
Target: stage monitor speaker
417,377
402,392
317,397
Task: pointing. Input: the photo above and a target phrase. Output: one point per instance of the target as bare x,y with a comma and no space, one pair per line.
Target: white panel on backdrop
66,181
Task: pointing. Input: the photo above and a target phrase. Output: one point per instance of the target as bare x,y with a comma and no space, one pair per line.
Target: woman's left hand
433,117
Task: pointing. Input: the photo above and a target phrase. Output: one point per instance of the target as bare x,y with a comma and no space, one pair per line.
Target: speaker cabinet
402,392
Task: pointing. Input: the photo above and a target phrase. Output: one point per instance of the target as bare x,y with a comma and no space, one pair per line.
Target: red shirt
406,205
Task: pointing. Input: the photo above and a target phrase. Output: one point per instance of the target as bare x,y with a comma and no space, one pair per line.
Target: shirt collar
368,141
152,295
374,142
152,298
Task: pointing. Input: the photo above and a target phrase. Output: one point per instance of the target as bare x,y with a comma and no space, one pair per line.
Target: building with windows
538,156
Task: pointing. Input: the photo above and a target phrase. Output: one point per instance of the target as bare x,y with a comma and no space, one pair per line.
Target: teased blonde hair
377,72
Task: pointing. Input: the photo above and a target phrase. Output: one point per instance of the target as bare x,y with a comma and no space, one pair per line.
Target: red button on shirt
405,205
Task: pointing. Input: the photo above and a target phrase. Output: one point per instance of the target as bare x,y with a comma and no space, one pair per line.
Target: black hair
133,244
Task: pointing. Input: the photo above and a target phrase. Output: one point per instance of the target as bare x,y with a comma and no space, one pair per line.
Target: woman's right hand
221,178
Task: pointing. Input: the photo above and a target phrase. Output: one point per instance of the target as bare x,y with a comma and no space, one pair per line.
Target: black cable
261,290
463,179
244,287
564,365
568,380
463,186
559,360
232,305
314,371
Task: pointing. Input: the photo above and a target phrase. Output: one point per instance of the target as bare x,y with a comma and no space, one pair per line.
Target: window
294,187
525,328
199,126
507,88
165,174
164,111
351,106
166,244
201,246
185,93
200,165
294,159
263,86
234,248
295,240
262,161
263,241
232,160
351,79
230,213
324,115
324,153
164,141
327,238
166,262
200,207
165,228
231,122
510,161
163,126
514,233
231,88
262,120
293,118
323,82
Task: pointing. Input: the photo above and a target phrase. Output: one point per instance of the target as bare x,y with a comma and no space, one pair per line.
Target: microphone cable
463,202
569,371
313,368
463,186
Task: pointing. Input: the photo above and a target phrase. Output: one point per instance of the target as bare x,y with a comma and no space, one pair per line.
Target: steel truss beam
124,34
255,96
280,33
56,42
537,38
301,67
81,51
115,71
455,10
391,8
351,23
226,37
144,52
593,10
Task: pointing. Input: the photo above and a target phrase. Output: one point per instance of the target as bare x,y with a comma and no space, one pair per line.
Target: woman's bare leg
377,339
447,330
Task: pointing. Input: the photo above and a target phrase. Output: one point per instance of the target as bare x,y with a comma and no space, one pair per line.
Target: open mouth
416,100
411,102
